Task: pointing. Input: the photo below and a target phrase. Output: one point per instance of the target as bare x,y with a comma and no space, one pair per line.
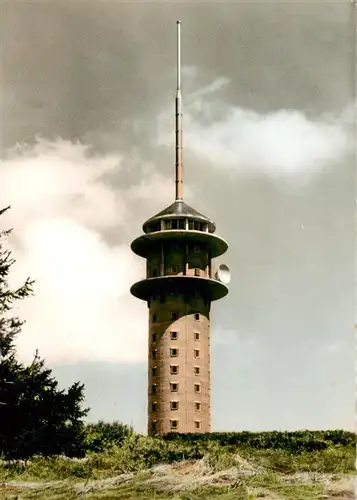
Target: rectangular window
196,353
154,406
197,424
154,337
191,225
154,318
174,269
154,371
174,405
174,369
182,223
197,336
174,335
153,389
153,354
197,387
174,315
167,224
197,272
154,426
197,406
197,370
174,224
174,352
174,424
197,316
174,387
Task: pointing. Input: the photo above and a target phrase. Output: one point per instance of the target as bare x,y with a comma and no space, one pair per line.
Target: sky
87,155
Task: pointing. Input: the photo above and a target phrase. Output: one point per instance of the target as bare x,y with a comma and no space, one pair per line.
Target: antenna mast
178,113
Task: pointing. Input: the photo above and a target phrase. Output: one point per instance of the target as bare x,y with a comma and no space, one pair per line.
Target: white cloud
82,309
284,144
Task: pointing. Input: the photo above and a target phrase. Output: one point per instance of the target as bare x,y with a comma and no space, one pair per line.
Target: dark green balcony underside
148,243
210,288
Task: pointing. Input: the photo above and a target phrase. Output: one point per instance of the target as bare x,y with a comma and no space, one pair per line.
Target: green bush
293,442
102,436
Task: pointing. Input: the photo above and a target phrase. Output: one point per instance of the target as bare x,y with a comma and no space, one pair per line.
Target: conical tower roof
179,209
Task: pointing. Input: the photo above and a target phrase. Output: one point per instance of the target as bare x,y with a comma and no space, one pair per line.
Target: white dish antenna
223,274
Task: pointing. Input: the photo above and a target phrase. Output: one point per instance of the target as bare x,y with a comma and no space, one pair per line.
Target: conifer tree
35,416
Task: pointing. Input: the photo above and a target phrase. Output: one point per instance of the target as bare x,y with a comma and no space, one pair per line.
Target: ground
190,480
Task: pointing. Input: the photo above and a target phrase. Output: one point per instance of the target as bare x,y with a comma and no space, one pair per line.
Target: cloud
61,207
283,144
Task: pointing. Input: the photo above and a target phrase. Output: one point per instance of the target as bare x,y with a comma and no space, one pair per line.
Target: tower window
196,353
174,369
197,406
197,249
174,335
174,269
154,426
174,315
154,406
154,371
153,389
174,352
197,336
154,337
174,405
174,424
191,225
153,354
174,387
197,370
197,316
197,424
154,318
197,271
197,387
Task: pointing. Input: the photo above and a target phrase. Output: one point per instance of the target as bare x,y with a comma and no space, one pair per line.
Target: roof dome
181,210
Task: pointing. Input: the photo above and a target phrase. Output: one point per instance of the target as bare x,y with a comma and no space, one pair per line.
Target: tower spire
178,121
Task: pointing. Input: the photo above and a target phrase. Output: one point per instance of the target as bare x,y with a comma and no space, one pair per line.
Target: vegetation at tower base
137,467
35,416
293,442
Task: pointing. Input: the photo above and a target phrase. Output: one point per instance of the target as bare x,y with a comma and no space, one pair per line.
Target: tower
179,244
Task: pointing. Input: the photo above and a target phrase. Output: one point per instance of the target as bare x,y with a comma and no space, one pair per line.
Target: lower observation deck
145,244
209,287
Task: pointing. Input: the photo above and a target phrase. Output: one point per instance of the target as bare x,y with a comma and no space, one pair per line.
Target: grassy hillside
224,466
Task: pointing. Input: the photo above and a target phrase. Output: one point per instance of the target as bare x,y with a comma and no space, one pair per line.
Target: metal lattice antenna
178,113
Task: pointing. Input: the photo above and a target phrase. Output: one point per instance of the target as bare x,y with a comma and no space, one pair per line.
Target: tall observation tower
179,244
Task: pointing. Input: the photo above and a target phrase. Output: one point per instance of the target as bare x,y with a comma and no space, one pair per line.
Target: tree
35,416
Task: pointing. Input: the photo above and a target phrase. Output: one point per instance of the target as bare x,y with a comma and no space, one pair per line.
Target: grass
147,468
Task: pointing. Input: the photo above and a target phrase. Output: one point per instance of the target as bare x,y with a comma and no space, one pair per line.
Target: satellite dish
223,274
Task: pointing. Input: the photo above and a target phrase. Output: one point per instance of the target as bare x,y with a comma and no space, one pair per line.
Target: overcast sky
87,145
